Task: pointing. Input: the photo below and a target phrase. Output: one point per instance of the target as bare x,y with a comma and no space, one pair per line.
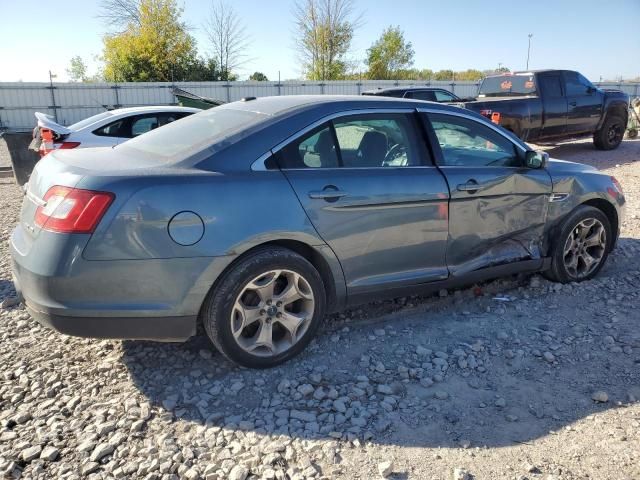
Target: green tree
390,56
325,29
469,75
77,70
443,75
156,48
258,77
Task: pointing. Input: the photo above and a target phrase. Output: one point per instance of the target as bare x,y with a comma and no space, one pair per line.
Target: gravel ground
515,379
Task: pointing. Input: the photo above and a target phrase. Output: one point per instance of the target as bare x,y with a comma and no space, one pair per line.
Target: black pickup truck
551,105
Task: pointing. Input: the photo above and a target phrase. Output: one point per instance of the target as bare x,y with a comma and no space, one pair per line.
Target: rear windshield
89,121
194,133
508,85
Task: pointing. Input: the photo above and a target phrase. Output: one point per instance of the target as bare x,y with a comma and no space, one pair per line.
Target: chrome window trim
258,165
470,117
318,169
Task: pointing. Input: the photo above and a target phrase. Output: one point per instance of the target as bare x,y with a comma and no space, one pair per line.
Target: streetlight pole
529,50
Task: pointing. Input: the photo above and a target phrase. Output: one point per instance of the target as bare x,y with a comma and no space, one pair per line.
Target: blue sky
595,37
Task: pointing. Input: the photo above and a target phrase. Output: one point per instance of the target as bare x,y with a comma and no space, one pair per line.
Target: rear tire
584,235
610,134
266,308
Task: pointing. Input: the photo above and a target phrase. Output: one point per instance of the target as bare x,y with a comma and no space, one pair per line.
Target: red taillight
71,210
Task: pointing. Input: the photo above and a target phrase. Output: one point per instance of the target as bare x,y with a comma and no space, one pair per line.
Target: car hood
564,174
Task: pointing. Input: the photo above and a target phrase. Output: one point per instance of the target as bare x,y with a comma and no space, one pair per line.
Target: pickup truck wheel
610,134
580,246
265,309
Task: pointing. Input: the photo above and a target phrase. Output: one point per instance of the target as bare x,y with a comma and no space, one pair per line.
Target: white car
104,129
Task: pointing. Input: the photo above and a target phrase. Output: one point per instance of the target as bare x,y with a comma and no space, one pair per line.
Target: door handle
328,194
471,186
573,104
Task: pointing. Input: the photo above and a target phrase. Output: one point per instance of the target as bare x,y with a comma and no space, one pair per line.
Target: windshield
194,133
508,85
89,121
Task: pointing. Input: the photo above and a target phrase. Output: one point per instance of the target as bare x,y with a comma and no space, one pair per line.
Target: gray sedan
260,216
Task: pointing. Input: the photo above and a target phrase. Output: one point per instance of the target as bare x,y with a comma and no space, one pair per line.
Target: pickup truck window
577,84
551,86
508,86
468,143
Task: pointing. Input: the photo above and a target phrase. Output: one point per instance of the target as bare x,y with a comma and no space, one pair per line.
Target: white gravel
541,383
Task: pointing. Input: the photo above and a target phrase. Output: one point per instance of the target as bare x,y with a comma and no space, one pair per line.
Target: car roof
401,89
529,72
275,106
153,108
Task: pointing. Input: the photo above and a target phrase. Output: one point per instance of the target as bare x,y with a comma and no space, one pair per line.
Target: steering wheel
394,152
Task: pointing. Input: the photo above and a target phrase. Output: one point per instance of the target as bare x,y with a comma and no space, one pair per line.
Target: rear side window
422,95
118,129
357,141
316,149
551,86
469,143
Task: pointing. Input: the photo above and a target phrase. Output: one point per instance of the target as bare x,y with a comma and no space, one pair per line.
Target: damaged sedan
257,218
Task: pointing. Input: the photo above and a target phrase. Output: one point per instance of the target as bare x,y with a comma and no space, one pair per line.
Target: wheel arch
610,211
615,109
335,289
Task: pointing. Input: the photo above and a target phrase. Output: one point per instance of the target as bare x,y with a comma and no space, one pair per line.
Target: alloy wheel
272,312
614,134
584,248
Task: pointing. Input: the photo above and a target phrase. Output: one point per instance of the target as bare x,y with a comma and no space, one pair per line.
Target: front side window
469,143
357,141
141,125
577,84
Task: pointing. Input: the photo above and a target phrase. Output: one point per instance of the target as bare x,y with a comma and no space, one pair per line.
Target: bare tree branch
228,37
120,14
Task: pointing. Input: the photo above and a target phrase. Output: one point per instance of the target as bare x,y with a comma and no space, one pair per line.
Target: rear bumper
152,299
167,329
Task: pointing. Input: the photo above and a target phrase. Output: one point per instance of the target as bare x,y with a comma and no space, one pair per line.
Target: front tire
581,246
610,134
266,308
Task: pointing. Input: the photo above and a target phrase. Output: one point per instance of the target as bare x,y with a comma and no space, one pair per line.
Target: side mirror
536,159
591,90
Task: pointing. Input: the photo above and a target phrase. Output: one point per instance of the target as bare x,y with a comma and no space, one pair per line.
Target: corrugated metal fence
71,102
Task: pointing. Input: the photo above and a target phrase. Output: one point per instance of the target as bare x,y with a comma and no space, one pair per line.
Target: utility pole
529,50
